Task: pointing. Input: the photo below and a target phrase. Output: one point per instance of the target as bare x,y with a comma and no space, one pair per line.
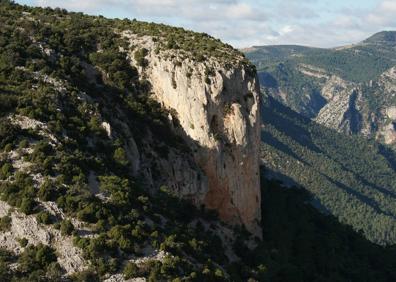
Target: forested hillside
350,177
302,244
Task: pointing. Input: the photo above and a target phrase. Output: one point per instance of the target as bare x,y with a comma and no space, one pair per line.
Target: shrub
219,273
27,205
23,144
131,270
86,275
5,223
8,147
54,272
5,171
120,157
66,227
104,265
36,258
23,242
46,191
139,57
44,217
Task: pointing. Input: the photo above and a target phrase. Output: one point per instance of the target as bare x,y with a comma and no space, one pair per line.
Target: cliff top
196,46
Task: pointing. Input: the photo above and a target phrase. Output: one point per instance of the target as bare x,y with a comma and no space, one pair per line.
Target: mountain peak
383,37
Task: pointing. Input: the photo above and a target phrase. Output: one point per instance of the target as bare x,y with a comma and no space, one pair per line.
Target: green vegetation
350,176
67,71
44,217
359,63
301,244
296,75
381,38
304,92
140,57
5,223
131,271
35,263
66,227
23,242
264,56
50,61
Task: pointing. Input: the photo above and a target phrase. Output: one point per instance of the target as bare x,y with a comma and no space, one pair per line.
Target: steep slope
106,127
350,177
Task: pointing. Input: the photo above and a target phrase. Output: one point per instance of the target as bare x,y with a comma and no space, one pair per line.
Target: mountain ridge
387,37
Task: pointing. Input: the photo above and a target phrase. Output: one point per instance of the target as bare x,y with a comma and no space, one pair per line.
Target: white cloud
246,22
185,9
286,29
383,14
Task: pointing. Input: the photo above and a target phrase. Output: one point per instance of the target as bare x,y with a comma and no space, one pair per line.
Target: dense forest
302,244
351,177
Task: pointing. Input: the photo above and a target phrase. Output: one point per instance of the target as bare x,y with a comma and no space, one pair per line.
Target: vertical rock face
219,118
343,104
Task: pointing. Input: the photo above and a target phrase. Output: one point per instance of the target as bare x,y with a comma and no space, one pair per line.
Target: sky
245,23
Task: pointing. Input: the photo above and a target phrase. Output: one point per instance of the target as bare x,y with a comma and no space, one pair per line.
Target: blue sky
244,23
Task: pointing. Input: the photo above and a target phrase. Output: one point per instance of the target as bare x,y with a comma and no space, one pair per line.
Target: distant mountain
358,63
381,38
262,56
350,89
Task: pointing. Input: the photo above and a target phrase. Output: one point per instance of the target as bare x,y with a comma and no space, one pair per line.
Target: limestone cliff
217,108
342,109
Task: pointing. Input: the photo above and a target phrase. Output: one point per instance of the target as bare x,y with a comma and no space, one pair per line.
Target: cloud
217,10
242,23
230,20
292,10
383,14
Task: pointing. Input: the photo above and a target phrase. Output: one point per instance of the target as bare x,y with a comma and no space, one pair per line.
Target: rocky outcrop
365,108
341,111
391,113
389,134
26,226
218,112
